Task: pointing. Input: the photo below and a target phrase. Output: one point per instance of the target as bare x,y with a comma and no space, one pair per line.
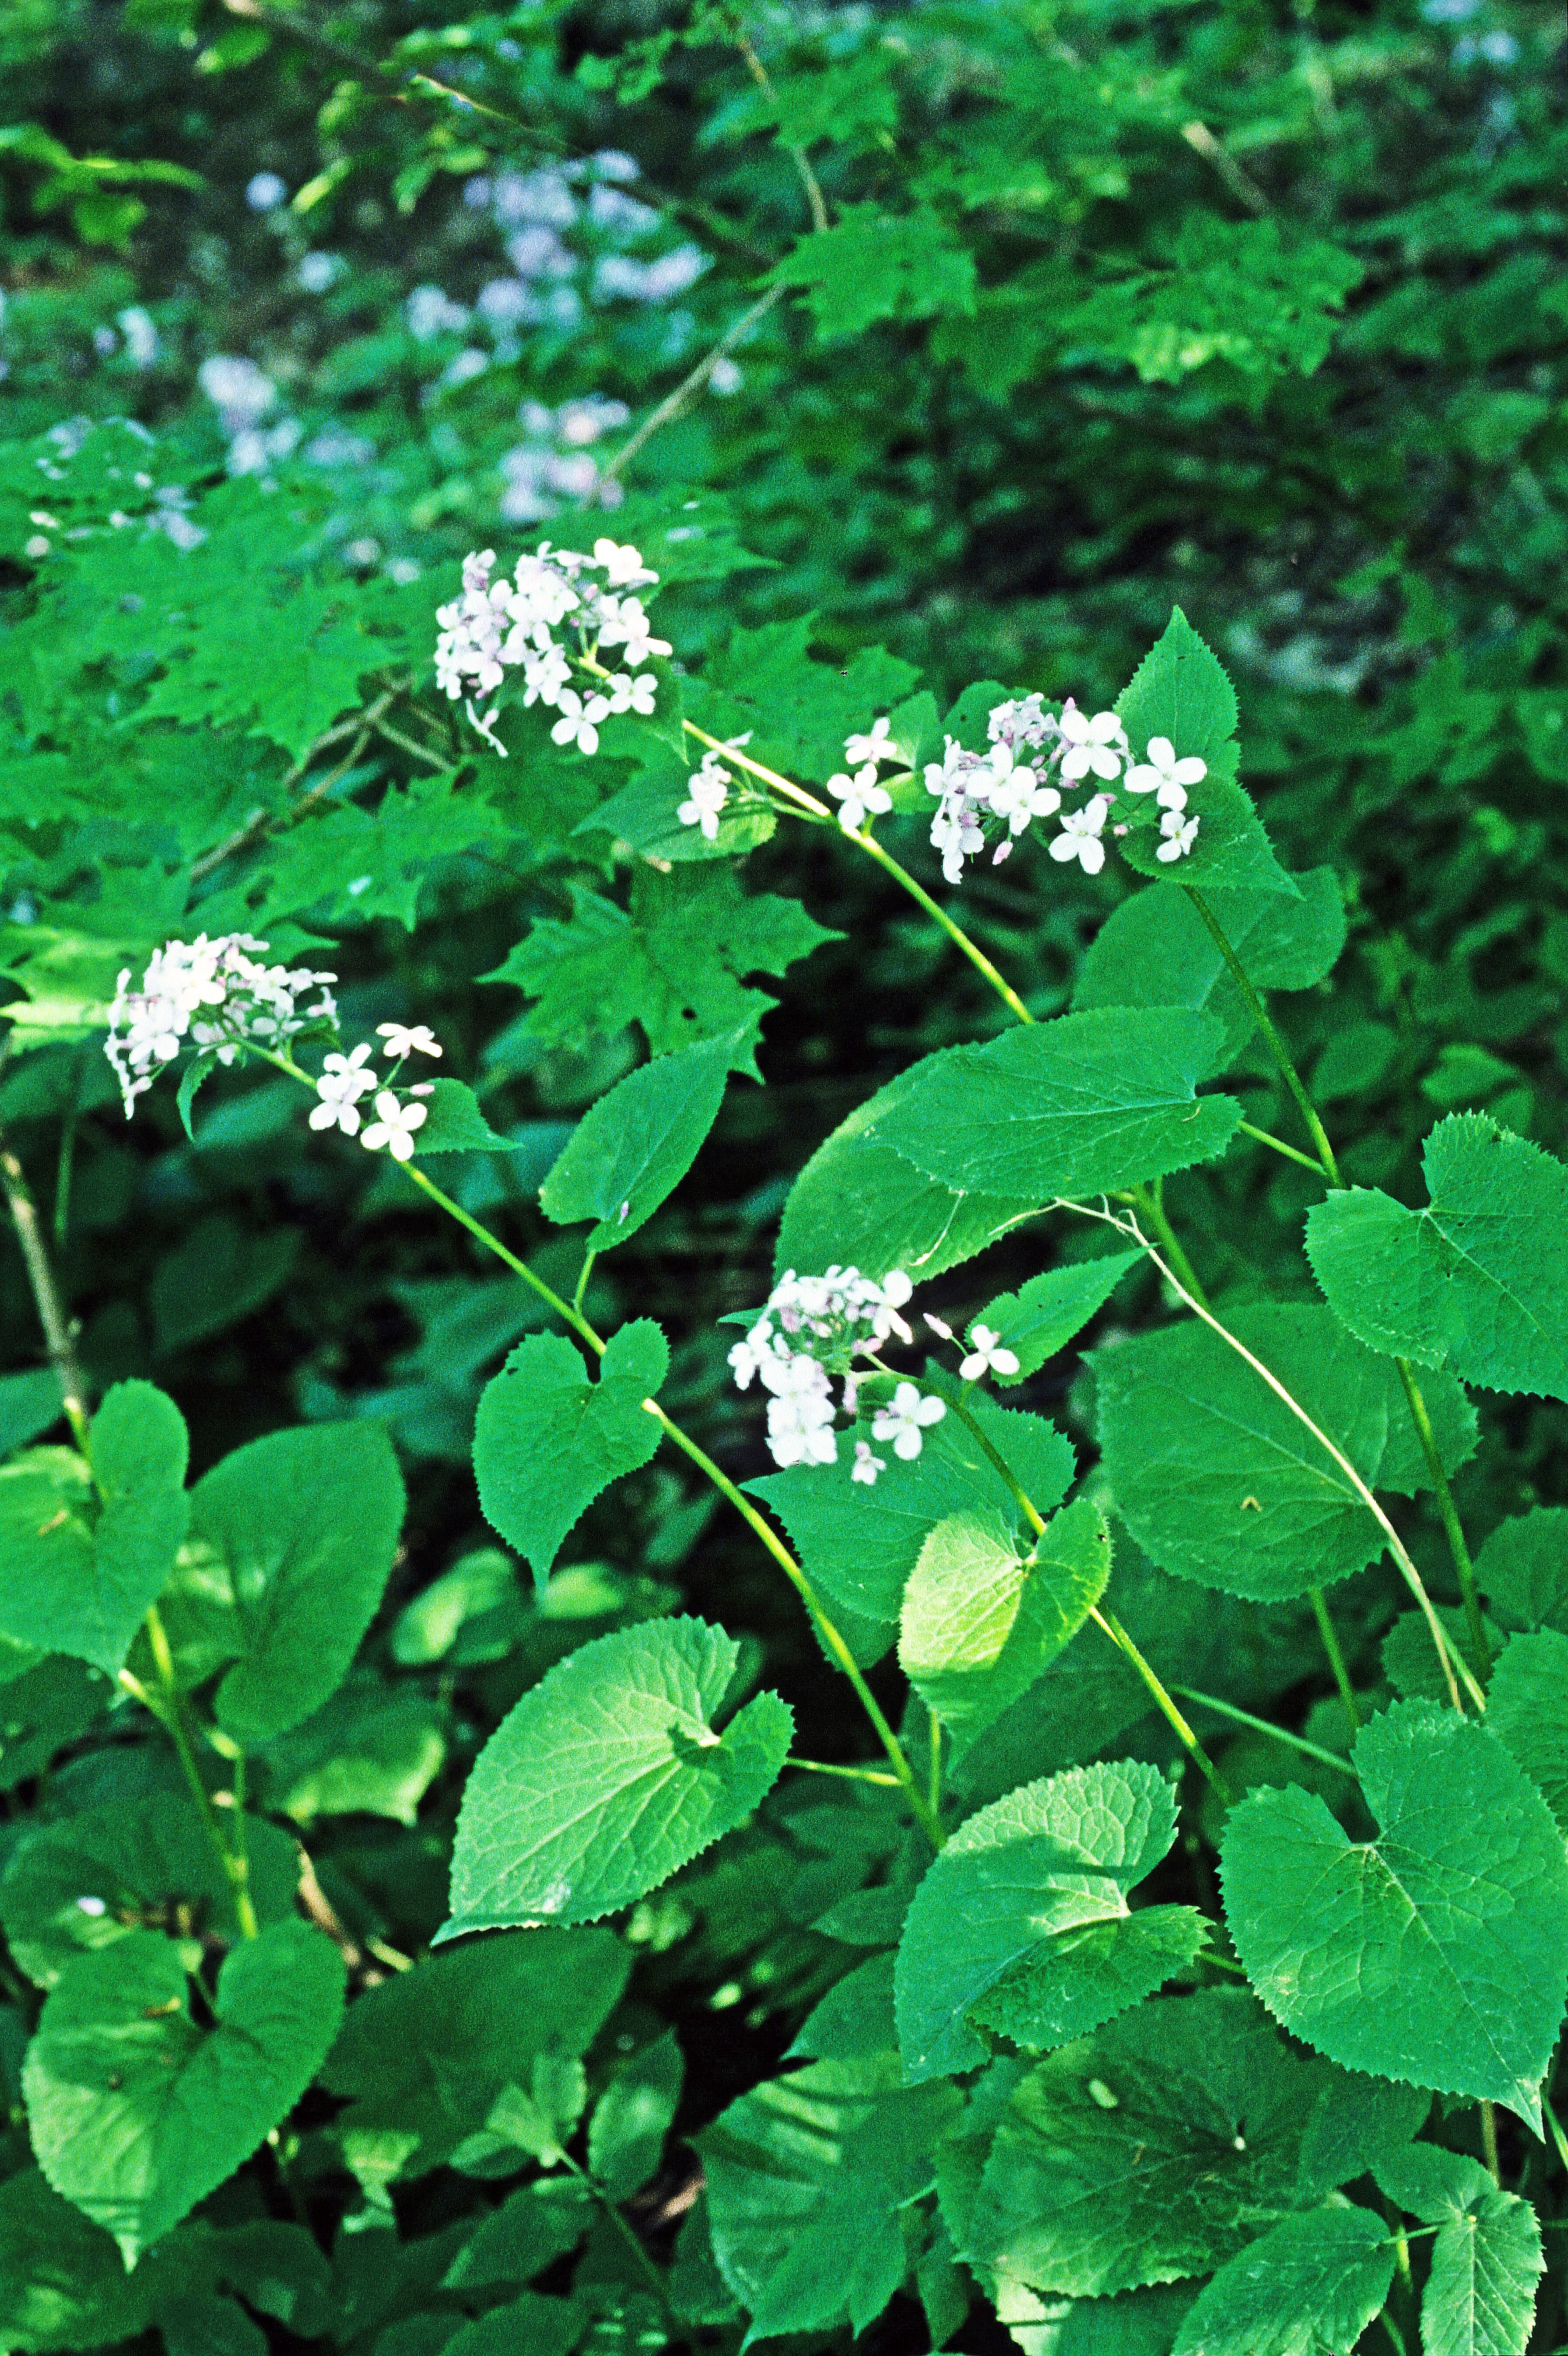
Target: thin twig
809,179
1242,186
691,384
260,822
58,1336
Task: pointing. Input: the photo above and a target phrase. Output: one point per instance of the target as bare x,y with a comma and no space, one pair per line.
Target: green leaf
534,2226
1022,1923
1522,1569
530,2325
1153,2150
1156,949
219,1274
808,2177
292,1541
632,2116
546,1440
1357,2125
1438,1952
1430,2183
608,1776
455,1124
860,1545
1043,1316
70,1584
366,1751
1309,2286
981,1621
44,1709
424,2058
633,1147
136,2112
876,266
1078,1107
855,2019
133,1865
1478,1281
1485,2261
1180,691
1219,1481
1526,1710
28,1405
62,2281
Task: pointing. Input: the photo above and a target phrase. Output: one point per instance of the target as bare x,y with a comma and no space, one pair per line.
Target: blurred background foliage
1038,317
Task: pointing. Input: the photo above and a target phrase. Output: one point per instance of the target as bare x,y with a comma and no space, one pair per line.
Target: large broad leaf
1043,1316
608,1776
1220,1482
634,1145
63,2284
1180,691
292,1541
1478,1281
528,2325
1078,1107
863,1204
982,1619
1152,2151
137,2112
1022,1923
133,1865
1522,1569
632,2116
71,1582
1485,2261
808,2178
1156,949
424,2058
1438,1952
1526,1710
859,1544
546,1440
1309,2286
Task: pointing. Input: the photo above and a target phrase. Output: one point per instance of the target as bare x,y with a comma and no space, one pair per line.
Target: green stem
1554,2128
577,1298
1262,1726
1331,1645
1150,1200
645,2265
1489,2141
934,1739
1450,1514
168,1705
853,1774
1275,1044
563,1309
1291,1153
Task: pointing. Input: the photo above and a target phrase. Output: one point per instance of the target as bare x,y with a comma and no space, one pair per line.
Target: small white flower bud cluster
345,1078
813,1328
212,995
494,627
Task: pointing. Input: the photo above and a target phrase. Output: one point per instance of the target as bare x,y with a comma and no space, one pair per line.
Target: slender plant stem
854,1775
167,1704
45,1294
1489,2141
1331,1645
1262,1726
1560,2140
693,383
1291,1153
1452,1525
563,1309
934,1739
645,2265
1275,1044
1150,1200
808,180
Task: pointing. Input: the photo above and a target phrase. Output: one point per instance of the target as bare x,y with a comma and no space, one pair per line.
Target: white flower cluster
345,1078
812,1329
709,788
1032,757
211,995
494,627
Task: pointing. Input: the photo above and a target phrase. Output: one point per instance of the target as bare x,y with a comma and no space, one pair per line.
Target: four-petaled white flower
1080,837
866,1466
404,1040
629,694
1162,774
858,795
987,1355
906,1419
1179,836
394,1127
1095,742
624,567
873,745
579,722
708,792
343,1080
799,1431
1017,792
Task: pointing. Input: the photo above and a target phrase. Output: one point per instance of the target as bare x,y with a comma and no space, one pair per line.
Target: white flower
629,694
394,1127
545,675
987,1355
1017,793
905,1420
866,1466
956,769
896,1288
579,722
1021,722
800,1430
1162,774
402,1041
1080,836
1179,836
872,746
940,1326
343,1080
624,567
1094,743
622,623
709,793
857,795
214,995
